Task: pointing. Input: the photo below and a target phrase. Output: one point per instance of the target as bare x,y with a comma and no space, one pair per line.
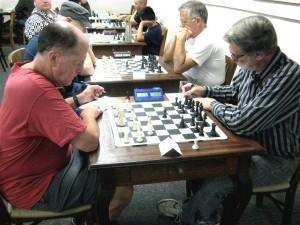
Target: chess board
108,67
163,127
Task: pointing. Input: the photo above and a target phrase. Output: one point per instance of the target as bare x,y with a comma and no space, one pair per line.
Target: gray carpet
142,209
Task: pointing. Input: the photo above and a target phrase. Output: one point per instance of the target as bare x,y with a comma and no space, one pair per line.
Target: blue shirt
153,38
31,48
265,107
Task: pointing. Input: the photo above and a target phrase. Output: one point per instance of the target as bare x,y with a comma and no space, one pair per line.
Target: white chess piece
121,117
126,137
139,137
150,129
195,145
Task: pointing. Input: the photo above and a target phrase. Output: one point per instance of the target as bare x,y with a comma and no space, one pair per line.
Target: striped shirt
265,107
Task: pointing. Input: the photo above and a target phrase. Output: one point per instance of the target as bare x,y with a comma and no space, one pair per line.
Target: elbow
178,69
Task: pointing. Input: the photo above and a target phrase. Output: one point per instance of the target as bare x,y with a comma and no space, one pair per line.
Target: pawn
176,101
164,114
182,123
159,69
195,146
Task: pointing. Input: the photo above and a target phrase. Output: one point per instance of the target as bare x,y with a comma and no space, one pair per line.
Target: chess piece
176,101
165,113
193,121
126,137
195,145
186,99
142,66
139,137
182,123
159,69
150,129
213,132
126,64
121,118
135,125
201,127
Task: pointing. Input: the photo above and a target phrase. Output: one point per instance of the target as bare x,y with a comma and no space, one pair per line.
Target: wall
222,14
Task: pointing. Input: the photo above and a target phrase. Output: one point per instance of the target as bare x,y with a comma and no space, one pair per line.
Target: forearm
140,33
89,139
179,55
221,93
169,50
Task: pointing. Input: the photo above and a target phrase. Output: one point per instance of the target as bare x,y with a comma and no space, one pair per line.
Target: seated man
78,16
262,103
43,140
135,17
193,51
41,16
153,35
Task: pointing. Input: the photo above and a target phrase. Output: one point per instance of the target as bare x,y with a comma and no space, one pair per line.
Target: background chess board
108,66
163,127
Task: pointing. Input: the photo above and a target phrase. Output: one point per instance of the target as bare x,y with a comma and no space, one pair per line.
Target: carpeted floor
142,209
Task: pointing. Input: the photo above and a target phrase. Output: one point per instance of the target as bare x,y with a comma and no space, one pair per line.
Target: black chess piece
142,66
201,128
186,99
126,64
213,132
193,121
204,120
176,101
179,104
182,123
159,69
197,127
165,113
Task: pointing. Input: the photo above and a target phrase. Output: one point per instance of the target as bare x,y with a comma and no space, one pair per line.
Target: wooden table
124,85
106,49
144,164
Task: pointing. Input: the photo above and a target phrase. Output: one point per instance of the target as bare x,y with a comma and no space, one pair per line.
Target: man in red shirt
42,165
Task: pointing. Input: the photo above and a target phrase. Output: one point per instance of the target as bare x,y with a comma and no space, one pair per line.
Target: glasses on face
235,57
184,22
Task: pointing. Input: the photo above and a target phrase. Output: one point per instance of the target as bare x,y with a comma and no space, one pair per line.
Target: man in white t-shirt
193,51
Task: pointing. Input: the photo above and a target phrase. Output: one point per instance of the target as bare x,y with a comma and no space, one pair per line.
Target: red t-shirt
36,127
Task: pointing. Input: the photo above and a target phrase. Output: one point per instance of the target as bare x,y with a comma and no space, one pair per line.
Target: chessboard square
149,110
152,139
167,121
185,130
172,113
169,108
152,114
141,114
137,106
143,118
160,113
154,118
209,135
175,117
189,136
173,131
171,126
162,132
158,127
144,123
161,138
178,138
155,105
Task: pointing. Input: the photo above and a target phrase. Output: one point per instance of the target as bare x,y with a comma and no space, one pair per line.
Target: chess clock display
148,94
121,55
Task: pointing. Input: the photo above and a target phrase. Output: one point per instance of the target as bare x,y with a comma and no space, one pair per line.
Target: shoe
169,208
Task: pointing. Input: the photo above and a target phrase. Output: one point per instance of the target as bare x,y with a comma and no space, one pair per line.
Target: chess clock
148,94
121,55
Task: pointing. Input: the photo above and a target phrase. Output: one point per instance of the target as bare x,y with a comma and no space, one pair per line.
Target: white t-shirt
209,57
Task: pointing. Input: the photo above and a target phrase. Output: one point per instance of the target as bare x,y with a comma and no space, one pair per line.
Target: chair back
9,36
164,32
229,70
16,56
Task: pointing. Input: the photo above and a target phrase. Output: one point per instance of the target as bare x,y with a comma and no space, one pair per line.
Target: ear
53,57
69,19
259,56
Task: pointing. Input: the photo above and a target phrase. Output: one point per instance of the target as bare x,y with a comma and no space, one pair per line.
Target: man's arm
88,140
132,20
181,61
140,32
169,50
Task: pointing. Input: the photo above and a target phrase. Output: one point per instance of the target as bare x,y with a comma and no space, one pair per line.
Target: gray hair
253,33
195,8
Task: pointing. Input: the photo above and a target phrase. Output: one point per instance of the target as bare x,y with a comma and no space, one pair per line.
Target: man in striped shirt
263,103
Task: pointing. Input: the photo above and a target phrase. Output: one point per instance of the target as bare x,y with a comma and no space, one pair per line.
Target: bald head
61,36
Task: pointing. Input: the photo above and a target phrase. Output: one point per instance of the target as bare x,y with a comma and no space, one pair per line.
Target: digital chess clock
121,55
148,94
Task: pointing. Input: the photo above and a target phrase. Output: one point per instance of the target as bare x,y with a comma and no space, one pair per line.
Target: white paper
169,147
104,103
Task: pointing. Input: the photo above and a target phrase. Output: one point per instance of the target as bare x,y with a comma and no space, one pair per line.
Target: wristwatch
76,102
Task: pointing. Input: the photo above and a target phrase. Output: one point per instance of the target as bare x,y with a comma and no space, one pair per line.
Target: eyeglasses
184,22
235,58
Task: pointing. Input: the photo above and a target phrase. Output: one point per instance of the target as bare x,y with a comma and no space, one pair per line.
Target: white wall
222,14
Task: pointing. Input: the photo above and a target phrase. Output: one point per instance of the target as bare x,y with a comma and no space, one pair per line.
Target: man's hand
184,34
192,91
91,93
206,102
147,23
91,112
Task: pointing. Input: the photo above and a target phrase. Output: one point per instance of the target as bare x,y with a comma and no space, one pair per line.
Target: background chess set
144,112
108,67
106,38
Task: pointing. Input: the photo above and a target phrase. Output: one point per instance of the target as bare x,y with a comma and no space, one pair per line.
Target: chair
10,215
16,56
3,60
164,32
285,206
229,70
9,36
